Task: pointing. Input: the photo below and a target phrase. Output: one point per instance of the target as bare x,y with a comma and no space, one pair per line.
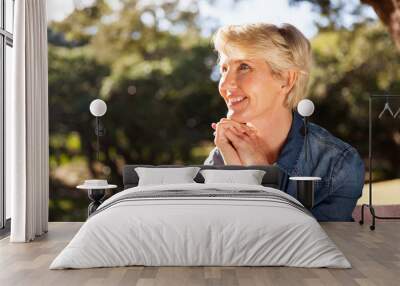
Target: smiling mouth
236,101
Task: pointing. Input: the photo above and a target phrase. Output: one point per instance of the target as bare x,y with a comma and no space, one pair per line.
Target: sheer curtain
27,124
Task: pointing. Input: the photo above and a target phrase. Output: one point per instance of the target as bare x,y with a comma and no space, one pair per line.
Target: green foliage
349,66
156,83
337,14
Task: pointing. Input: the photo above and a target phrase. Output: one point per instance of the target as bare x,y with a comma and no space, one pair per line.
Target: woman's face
249,88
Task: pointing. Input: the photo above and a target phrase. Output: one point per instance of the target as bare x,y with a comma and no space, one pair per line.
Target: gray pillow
249,177
162,176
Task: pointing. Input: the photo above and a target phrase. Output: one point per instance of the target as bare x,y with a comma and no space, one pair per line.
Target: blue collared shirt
337,163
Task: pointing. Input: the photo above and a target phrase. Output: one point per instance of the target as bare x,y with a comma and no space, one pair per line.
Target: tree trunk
388,12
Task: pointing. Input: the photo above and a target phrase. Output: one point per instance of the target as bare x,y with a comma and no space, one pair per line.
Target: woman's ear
289,79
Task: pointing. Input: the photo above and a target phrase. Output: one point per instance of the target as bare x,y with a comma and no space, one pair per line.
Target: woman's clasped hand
239,143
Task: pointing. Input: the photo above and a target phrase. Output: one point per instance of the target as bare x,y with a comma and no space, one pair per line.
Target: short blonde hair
283,48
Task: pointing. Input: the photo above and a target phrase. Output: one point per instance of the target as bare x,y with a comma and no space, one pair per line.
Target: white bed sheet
200,231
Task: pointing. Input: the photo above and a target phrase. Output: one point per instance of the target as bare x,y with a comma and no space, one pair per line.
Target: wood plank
374,255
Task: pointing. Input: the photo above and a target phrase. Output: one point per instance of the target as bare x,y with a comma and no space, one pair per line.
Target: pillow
162,176
249,177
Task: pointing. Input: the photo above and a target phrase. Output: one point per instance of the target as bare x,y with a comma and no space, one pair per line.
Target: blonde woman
264,74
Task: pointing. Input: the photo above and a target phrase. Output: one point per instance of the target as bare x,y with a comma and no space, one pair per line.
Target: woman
264,74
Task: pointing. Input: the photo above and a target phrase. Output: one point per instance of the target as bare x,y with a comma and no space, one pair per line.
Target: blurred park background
154,65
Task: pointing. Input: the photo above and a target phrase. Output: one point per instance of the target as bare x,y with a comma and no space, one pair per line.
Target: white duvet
183,231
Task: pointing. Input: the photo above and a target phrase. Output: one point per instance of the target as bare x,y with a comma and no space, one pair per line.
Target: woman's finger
237,139
233,128
235,125
241,126
223,125
232,137
251,133
249,125
220,130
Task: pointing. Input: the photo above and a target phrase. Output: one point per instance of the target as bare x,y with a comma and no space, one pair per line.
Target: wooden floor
375,256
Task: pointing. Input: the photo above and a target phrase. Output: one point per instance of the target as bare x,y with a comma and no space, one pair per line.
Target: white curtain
27,138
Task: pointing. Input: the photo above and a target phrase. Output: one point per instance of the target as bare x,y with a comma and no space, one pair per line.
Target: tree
154,73
349,65
388,12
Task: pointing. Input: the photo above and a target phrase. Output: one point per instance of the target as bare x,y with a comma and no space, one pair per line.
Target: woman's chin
237,116
240,111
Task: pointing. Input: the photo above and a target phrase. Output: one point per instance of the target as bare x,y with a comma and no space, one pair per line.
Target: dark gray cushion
272,177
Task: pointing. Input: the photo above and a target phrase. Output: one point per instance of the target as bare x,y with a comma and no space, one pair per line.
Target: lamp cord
97,134
305,137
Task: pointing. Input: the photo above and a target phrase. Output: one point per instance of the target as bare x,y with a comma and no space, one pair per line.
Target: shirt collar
290,153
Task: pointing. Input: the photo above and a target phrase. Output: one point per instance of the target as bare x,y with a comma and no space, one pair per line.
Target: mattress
201,225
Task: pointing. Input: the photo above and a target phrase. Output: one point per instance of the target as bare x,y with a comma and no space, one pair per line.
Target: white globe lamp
98,108
305,108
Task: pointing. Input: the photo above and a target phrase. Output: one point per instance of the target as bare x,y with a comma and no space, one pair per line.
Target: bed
201,224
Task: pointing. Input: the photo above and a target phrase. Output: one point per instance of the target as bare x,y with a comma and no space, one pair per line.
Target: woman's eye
223,69
244,67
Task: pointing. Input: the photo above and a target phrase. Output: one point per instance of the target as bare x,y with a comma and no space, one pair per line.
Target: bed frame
272,177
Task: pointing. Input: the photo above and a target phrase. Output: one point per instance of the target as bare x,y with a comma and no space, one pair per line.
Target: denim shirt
337,163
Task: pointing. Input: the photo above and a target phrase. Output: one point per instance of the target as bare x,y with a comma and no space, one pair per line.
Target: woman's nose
228,81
